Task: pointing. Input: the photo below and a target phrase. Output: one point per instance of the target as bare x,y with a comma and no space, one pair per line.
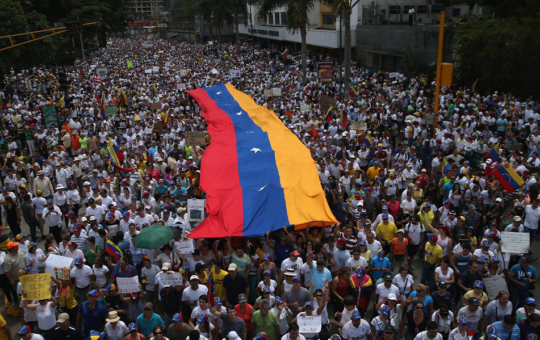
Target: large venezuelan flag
508,177
257,174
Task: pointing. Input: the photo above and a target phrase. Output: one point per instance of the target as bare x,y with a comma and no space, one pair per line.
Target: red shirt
393,208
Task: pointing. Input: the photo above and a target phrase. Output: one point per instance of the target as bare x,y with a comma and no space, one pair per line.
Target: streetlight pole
340,44
80,35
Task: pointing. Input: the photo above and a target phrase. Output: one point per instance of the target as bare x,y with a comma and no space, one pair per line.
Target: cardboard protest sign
36,286
128,285
195,138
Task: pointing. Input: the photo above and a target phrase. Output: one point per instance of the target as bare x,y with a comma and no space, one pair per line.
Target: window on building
276,18
456,12
270,19
328,20
422,9
284,18
394,10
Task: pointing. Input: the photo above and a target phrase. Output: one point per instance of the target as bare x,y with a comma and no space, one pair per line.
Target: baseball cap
478,284
474,301
491,331
355,315
177,317
387,277
93,292
295,253
25,330
63,317
530,301
193,277
462,320
242,298
385,216
78,261
385,310
389,329
392,297
133,326
167,266
434,238
217,301
233,266
523,259
11,245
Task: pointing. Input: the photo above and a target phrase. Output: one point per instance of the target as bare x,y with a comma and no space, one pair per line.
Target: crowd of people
410,188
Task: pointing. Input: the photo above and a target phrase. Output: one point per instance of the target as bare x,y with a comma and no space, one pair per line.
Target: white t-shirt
98,212
81,276
374,247
287,263
100,274
287,337
414,231
118,333
352,264
350,332
150,276
446,277
382,291
423,336
532,217
46,316
191,295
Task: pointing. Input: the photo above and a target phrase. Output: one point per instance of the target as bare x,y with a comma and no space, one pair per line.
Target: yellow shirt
3,323
218,283
387,231
430,216
67,300
372,172
433,253
482,297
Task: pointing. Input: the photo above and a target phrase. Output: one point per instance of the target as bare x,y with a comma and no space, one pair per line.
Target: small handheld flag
285,53
508,177
329,115
113,250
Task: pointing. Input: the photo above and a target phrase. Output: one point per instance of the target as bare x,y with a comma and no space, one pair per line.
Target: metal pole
340,44
439,72
80,35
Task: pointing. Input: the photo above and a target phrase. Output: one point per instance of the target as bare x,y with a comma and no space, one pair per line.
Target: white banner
102,72
128,285
235,73
195,210
183,73
514,243
276,91
58,262
173,279
494,285
181,86
155,69
185,247
309,324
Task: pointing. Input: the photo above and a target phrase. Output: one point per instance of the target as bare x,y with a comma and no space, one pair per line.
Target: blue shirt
427,301
282,252
147,327
318,278
93,318
376,262
502,333
162,189
447,188
521,274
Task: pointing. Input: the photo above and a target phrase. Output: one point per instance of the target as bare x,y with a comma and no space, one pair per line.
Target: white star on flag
218,92
261,189
239,113
256,150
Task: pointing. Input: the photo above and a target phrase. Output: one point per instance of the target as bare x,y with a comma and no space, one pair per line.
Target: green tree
297,19
13,20
346,8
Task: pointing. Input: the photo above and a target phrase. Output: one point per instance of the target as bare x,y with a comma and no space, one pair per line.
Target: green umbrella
154,236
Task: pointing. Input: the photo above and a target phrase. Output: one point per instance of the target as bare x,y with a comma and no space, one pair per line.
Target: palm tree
345,7
297,19
239,8
221,15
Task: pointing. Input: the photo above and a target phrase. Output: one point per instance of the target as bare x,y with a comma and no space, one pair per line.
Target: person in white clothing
357,328
294,333
26,334
115,329
460,332
531,218
46,316
431,332
82,275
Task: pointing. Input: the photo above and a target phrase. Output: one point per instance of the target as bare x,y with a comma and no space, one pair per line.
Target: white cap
193,277
232,335
392,297
498,200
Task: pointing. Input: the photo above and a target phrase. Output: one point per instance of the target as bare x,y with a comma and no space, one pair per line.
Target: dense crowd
408,188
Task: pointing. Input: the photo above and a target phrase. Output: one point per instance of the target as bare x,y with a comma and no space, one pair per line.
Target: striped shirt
471,220
242,263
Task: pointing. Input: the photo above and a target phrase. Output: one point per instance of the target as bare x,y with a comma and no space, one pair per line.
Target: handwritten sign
110,111
173,279
392,75
195,138
61,273
196,210
276,91
181,86
148,71
235,73
57,261
128,285
514,243
155,69
183,72
326,102
36,286
268,93
156,106
304,108
185,247
129,64
309,324
494,285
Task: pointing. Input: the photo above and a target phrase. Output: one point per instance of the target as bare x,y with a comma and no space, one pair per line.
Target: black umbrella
177,231
336,142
